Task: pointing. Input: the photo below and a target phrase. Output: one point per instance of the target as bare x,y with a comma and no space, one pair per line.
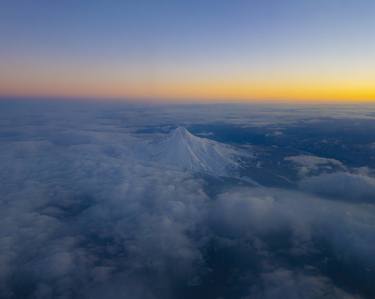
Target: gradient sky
221,50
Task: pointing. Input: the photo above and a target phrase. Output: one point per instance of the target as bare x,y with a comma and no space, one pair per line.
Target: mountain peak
185,151
181,132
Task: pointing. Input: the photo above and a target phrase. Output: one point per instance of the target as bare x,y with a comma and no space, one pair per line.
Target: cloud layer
81,219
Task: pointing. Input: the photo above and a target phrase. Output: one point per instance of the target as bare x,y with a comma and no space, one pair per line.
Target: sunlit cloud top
220,50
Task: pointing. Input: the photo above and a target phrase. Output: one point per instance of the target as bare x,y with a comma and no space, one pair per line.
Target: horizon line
180,100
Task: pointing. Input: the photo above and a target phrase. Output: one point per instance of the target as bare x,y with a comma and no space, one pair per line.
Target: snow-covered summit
182,150
181,132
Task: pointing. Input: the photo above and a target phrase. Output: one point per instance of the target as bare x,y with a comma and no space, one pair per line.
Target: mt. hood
183,151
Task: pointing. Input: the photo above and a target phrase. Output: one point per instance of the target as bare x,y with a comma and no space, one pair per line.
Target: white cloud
342,185
308,164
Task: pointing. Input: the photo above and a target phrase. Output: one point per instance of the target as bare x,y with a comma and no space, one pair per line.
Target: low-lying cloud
81,219
342,185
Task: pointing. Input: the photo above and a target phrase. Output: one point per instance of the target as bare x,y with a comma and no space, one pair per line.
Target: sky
197,50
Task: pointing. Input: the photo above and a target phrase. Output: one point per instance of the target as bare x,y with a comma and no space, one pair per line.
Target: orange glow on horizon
201,92
261,88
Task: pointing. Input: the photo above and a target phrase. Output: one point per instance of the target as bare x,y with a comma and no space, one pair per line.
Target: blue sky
143,43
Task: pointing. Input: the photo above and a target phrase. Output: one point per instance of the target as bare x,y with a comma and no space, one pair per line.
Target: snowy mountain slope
183,151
